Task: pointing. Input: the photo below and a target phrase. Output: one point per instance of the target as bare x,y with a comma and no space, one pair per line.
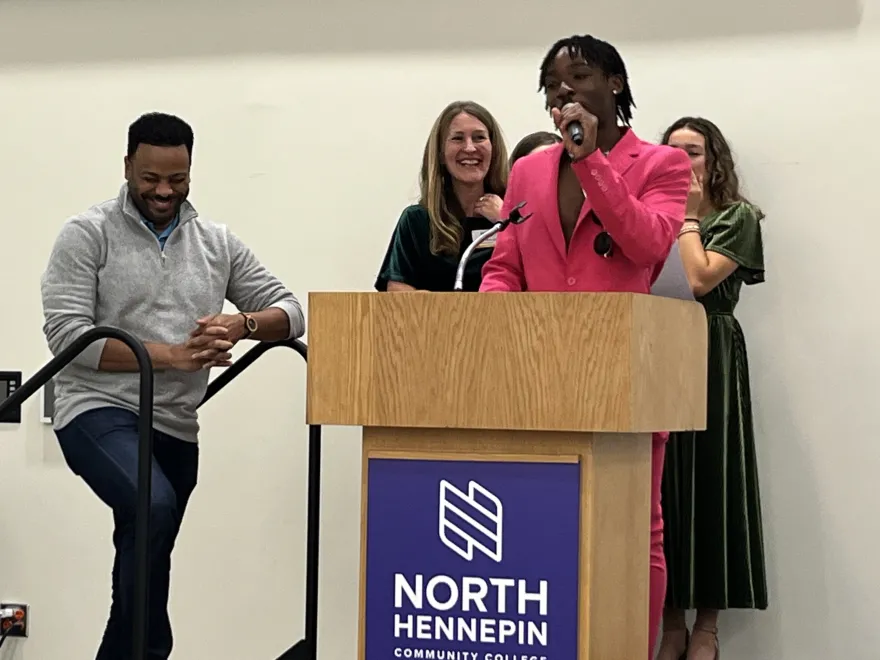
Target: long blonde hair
435,181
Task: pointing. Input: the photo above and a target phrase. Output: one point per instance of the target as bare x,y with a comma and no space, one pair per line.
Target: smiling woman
463,181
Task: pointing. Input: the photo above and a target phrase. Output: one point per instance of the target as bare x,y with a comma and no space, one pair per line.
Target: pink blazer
639,193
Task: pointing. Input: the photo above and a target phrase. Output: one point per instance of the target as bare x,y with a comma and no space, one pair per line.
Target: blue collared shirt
163,235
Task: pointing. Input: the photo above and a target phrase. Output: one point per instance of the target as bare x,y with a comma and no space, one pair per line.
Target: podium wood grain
615,362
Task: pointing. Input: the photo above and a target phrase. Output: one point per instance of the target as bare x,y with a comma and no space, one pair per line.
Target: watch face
251,324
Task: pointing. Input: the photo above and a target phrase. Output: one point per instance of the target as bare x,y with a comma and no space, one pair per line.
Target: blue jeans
101,446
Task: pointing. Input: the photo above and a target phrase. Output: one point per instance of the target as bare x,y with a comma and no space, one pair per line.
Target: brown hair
531,142
722,184
435,181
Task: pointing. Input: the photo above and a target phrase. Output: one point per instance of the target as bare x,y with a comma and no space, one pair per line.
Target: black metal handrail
306,648
145,455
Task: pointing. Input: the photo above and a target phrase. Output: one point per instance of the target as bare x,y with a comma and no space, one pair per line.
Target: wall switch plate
10,381
18,625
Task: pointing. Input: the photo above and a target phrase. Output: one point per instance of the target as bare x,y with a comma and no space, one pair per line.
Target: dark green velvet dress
409,259
711,500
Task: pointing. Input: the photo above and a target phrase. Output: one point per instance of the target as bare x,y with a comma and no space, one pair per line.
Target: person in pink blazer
605,213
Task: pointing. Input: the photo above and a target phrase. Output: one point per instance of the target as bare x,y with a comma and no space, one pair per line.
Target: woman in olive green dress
463,181
711,500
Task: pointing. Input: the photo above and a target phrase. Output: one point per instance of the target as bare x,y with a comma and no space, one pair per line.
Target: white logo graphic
468,523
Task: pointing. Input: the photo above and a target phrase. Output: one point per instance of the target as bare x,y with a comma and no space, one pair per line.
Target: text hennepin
472,597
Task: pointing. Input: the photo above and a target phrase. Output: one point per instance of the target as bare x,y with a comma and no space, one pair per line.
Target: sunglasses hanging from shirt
603,245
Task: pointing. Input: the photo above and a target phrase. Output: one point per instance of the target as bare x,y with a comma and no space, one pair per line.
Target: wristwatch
250,325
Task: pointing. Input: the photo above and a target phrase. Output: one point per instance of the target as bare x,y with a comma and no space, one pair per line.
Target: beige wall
318,205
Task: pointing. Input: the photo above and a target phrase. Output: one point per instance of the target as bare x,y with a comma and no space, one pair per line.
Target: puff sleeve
406,256
736,234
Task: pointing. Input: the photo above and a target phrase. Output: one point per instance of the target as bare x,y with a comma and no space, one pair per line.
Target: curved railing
145,455
305,649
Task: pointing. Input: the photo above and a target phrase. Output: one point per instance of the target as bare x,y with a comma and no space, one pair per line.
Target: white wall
800,108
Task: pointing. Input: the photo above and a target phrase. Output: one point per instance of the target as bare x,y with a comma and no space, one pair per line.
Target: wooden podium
529,378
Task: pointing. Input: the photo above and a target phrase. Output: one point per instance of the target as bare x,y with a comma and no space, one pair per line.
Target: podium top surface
612,362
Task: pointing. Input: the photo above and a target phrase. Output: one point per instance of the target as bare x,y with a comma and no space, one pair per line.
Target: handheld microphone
574,129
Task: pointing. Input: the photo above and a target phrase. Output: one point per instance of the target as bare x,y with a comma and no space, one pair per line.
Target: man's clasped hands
210,342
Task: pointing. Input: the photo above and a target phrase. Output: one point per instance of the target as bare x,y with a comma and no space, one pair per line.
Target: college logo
471,520
471,560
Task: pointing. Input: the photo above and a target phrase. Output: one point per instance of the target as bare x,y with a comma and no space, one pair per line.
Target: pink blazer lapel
550,201
621,158
625,152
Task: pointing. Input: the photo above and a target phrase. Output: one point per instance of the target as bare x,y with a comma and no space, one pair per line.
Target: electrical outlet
17,625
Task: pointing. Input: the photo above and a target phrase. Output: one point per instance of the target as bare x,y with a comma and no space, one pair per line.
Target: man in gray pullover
146,262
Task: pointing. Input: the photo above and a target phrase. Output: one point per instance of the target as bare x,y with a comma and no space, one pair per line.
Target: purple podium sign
472,560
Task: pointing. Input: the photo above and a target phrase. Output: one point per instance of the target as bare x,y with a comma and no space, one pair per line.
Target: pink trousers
658,558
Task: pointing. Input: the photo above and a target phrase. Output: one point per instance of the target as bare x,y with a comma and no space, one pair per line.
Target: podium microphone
574,129
515,218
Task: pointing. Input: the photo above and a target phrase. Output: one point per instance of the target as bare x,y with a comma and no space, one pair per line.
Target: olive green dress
711,501
409,259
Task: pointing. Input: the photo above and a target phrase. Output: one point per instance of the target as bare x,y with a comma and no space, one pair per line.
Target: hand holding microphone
578,128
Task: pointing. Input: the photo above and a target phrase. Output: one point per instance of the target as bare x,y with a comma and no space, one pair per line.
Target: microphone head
574,129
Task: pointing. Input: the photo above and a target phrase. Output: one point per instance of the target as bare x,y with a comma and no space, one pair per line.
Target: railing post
313,530
140,641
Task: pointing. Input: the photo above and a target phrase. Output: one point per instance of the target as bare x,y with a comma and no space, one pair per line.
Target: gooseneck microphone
515,217
574,129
